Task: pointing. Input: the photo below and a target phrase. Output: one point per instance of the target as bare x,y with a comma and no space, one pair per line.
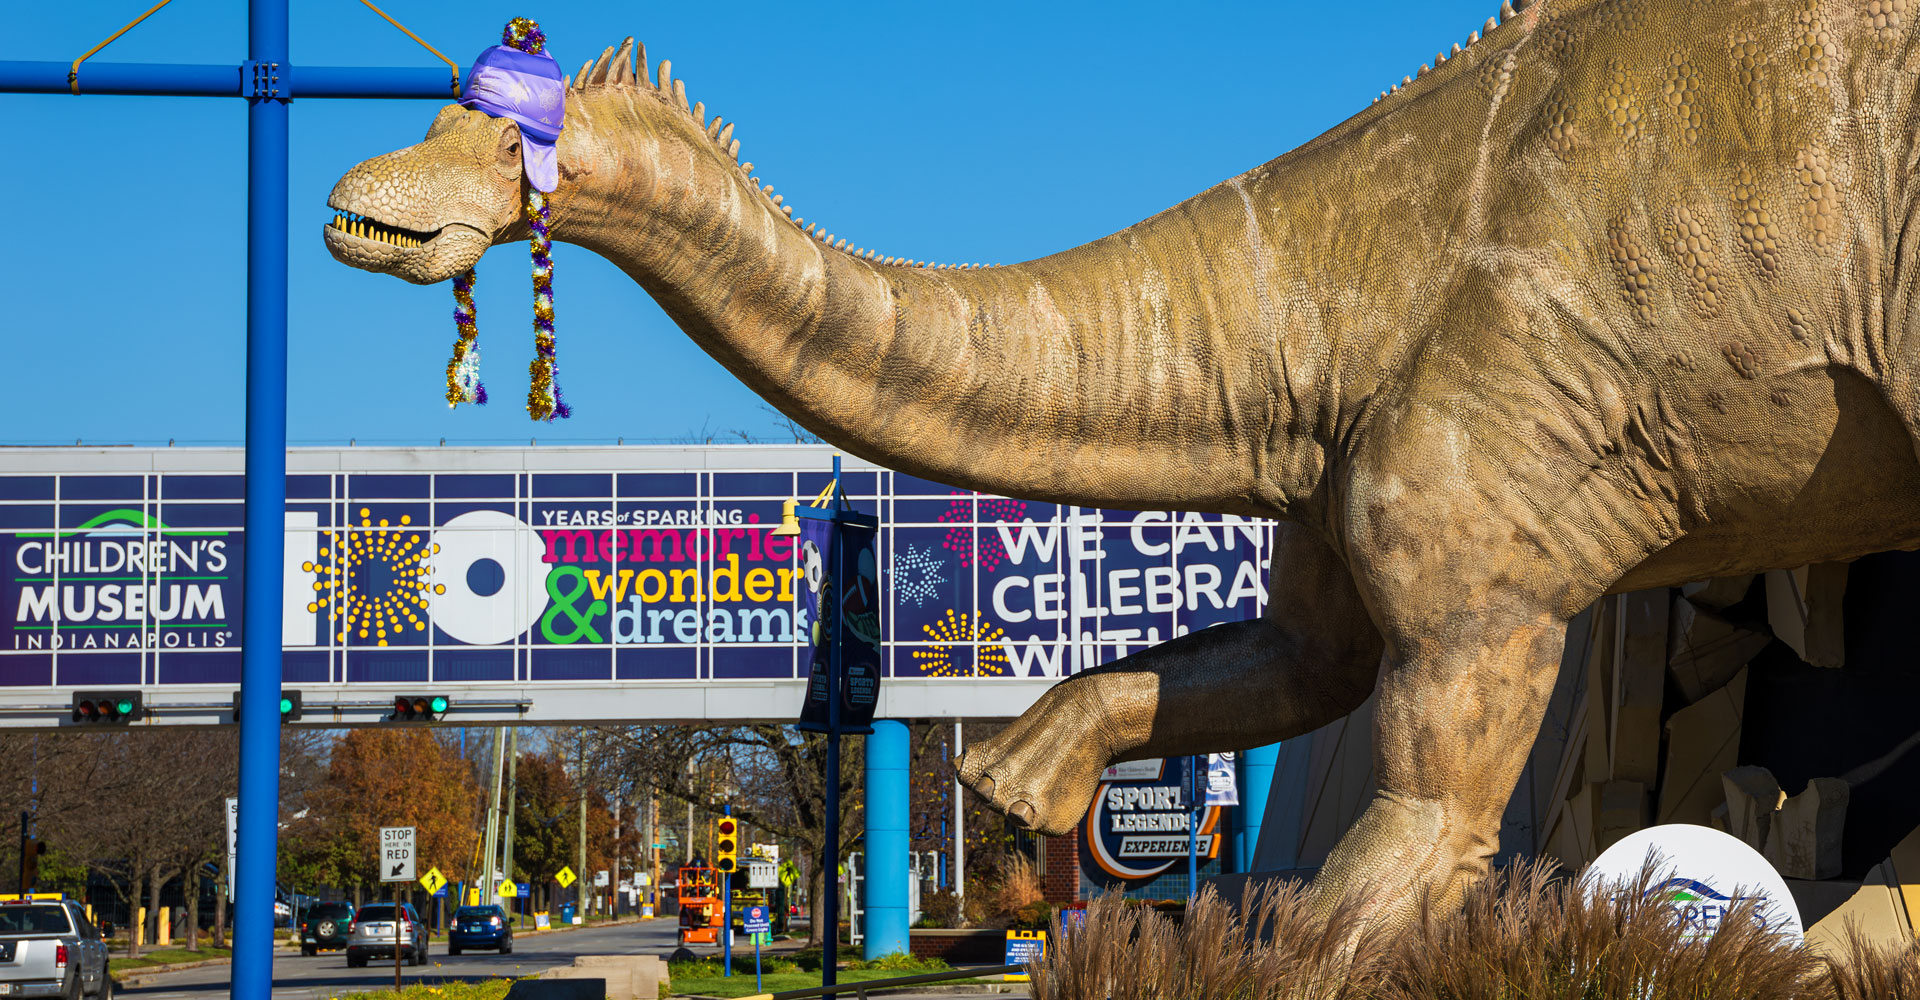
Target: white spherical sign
1702,873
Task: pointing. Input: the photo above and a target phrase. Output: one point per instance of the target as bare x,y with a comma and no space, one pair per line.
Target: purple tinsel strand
480,394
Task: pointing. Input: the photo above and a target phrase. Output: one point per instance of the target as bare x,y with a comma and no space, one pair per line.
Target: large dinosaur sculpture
1620,295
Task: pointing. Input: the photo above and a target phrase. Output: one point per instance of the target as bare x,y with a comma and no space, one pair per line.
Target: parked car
325,925
373,935
480,927
51,950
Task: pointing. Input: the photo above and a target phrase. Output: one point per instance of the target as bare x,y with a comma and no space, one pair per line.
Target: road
296,977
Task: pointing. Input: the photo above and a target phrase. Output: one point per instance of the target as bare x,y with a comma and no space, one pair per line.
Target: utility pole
613,883
489,862
653,850
959,833
581,895
513,806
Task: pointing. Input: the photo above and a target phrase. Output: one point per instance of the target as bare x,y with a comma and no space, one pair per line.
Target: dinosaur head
427,212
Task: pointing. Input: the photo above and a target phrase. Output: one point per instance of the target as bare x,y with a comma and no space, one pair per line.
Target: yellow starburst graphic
391,563
990,659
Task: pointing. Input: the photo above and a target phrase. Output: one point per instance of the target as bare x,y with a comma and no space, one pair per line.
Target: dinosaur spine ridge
627,66
1508,8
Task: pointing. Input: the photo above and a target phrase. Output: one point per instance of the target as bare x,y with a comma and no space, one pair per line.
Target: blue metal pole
1193,825
1256,778
828,909
887,811
266,503
726,912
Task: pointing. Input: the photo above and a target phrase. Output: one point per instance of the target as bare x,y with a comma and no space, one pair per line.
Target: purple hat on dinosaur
517,79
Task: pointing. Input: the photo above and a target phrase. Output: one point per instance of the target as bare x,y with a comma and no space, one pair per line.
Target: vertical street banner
1223,786
841,571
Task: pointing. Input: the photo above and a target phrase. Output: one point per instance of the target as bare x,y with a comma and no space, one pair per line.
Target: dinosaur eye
513,150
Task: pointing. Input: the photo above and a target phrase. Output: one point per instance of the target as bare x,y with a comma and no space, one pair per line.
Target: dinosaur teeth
1506,9
1491,24
1473,37
1456,49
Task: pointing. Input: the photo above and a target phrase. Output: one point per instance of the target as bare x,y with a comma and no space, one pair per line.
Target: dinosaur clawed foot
1042,770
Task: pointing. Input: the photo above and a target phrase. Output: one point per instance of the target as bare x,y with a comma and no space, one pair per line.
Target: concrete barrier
629,977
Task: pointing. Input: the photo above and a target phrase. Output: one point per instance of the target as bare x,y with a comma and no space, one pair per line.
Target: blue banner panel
426,565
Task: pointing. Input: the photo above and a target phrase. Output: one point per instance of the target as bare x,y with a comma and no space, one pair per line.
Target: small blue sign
758,919
440,893
522,890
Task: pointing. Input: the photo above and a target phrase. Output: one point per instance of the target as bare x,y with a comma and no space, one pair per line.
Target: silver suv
51,949
373,935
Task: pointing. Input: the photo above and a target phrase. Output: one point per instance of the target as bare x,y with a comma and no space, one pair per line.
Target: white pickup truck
51,949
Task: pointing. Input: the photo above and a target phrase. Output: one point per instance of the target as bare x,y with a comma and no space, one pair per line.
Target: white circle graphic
490,619
1702,874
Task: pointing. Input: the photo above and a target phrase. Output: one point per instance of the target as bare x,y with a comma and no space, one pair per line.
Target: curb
132,977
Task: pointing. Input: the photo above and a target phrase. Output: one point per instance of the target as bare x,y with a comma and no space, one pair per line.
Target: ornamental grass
1522,934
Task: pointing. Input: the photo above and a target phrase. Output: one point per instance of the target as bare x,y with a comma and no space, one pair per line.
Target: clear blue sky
961,132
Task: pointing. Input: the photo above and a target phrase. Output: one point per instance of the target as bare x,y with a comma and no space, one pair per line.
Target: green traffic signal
286,704
124,706
439,703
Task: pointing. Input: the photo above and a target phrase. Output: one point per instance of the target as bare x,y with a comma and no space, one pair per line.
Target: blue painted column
256,835
886,861
1256,777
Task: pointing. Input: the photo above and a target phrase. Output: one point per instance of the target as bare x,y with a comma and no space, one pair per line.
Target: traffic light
419,707
120,707
726,846
30,864
289,705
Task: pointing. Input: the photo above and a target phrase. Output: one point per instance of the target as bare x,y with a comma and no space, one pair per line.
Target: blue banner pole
830,948
256,835
1194,806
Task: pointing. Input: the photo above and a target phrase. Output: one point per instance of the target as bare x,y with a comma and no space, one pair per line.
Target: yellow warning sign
433,880
508,889
565,877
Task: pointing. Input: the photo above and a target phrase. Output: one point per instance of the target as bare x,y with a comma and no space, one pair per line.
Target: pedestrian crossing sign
433,880
565,877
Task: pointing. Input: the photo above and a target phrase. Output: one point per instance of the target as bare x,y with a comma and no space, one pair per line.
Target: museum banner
478,566
841,571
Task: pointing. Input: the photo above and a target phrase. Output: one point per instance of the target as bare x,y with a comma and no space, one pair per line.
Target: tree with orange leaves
390,777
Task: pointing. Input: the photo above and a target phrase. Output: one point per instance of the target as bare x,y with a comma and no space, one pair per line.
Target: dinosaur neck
1118,374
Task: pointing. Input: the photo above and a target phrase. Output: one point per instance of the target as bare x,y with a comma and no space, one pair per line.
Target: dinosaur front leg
1456,717
1311,660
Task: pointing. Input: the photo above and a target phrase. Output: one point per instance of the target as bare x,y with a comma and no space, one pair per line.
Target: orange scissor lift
699,893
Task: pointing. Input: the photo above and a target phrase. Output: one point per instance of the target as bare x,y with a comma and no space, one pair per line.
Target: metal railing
860,988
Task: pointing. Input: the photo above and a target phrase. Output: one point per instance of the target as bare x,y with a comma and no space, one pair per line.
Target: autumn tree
388,776
773,776
546,824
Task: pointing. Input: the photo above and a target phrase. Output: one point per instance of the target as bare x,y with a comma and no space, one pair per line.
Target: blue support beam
161,79
886,863
1256,778
257,834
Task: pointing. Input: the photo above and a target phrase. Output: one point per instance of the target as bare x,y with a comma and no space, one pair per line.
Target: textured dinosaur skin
1619,296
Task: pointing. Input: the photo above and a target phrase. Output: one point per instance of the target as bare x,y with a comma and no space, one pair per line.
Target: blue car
480,927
